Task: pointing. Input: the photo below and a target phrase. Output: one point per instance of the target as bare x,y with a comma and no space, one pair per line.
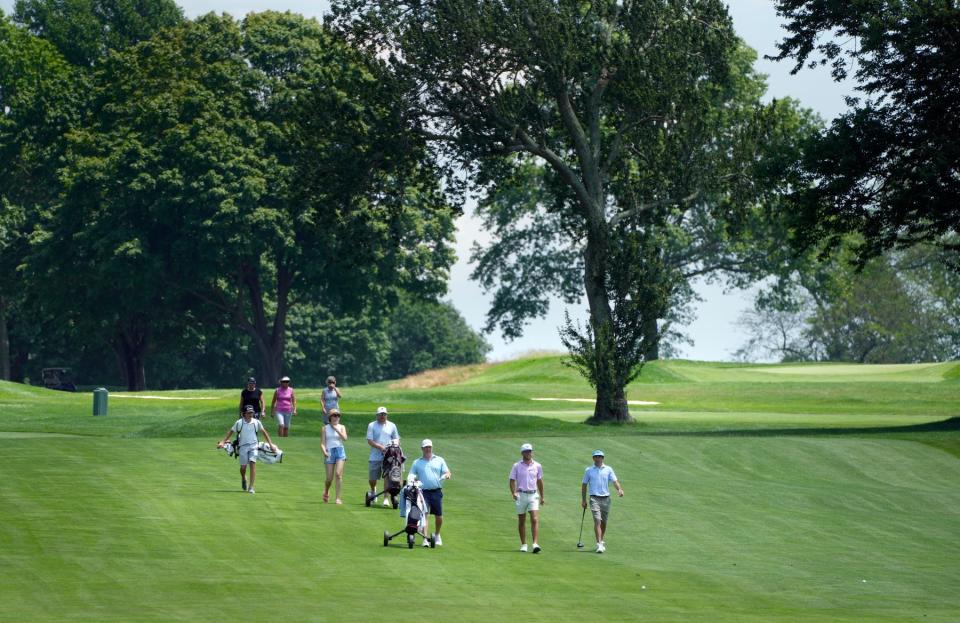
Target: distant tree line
189,201
900,307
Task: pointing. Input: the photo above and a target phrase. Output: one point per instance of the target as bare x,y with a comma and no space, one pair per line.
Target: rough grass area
753,495
436,378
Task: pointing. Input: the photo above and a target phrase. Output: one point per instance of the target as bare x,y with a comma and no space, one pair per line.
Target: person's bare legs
339,476
329,481
535,526
522,528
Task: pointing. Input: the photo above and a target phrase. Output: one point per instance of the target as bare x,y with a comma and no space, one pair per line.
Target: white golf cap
526,448
598,453
425,443
285,378
382,410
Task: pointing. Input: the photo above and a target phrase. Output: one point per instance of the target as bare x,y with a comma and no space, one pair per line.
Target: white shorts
527,502
248,454
283,419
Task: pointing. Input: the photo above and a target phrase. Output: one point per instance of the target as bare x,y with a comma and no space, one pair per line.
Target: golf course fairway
753,493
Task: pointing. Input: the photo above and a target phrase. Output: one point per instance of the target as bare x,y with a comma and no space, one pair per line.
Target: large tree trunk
611,403
4,342
269,337
651,336
130,345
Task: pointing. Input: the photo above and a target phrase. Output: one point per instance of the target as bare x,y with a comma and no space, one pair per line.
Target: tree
426,334
889,168
40,100
235,170
899,308
536,251
590,89
85,30
354,212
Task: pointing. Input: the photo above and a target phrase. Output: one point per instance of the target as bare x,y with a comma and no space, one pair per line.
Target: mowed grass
752,495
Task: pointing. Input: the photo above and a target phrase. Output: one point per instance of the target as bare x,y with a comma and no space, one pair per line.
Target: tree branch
626,214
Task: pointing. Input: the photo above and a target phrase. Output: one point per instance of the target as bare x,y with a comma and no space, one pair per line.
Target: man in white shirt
380,433
247,429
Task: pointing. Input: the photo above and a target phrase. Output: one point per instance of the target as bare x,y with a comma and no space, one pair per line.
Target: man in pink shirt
526,486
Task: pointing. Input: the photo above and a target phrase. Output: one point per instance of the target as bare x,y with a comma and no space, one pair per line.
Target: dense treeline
188,201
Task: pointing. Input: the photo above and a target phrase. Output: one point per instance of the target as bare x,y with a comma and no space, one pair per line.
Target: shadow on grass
943,426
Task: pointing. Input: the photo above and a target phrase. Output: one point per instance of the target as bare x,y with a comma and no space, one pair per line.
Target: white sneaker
439,540
426,543
523,548
386,501
536,548
250,491
601,548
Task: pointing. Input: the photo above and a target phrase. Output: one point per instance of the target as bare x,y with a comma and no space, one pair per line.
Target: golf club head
580,545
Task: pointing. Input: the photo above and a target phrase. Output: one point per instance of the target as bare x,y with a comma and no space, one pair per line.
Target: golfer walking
526,487
247,429
595,481
380,432
431,470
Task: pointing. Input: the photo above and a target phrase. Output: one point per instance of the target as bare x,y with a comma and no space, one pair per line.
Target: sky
714,332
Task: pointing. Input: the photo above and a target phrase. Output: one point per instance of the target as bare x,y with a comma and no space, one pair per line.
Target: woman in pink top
284,406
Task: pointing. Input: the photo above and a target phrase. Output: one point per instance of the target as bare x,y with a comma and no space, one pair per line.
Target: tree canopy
171,181
888,169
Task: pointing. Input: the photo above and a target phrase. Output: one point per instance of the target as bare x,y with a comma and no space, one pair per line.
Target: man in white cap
380,433
526,486
431,470
595,481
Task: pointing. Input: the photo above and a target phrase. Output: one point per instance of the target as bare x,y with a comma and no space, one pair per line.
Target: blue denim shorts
336,454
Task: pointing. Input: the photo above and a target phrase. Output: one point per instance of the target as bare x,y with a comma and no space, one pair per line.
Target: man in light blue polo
380,433
431,470
595,481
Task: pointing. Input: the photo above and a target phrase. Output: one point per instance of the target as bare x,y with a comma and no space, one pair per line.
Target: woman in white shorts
284,406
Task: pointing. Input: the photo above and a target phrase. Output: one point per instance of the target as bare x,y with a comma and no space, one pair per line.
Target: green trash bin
100,401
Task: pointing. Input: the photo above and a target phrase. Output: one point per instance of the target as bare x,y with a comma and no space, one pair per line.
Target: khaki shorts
248,454
376,470
600,506
527,502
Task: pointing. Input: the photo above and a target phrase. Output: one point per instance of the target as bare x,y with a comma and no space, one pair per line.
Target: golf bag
392,473
232,449
413,509
265,454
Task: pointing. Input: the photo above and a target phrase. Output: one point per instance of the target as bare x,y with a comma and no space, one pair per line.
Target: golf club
580,539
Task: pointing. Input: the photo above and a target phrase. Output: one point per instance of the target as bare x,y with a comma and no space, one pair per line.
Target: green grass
754,493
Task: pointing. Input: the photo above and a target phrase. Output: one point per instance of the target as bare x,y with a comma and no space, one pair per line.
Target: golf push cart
392,474
414,511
